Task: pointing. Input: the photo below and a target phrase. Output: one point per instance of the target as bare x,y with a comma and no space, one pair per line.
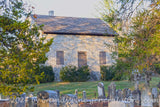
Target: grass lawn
90,87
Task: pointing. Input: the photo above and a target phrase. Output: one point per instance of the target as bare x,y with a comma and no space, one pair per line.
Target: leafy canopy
138,25
22,48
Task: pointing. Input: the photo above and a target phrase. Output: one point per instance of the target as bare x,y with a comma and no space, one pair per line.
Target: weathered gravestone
154,92
84,94
136,95
116,104
146,97
69,100
155,97
126,93
47,98
32,102
137,78
119,95
112,91
101,91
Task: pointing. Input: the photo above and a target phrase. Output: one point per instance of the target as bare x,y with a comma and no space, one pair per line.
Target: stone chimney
51,13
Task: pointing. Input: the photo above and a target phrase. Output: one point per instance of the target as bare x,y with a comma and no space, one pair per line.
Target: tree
138,45
22,48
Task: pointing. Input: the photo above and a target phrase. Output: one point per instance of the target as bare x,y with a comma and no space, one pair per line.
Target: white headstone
154,92
146,98
101,91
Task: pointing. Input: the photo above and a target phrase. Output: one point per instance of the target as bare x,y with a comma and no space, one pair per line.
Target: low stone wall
4,103
94,104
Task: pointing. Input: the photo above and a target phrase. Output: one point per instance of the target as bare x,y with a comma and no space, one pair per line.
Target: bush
74,74
106,73
48,74
111,73
157,68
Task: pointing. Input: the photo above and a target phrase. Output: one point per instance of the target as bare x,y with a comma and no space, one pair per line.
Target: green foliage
107,73
111,73
73,74
138,45
22,48
48,74
157,68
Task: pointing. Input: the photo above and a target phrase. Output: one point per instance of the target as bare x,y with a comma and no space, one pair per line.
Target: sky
73,8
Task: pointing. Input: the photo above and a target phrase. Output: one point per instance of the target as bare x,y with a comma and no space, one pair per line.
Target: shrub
106,73
157,68
111,73
48,74
74,74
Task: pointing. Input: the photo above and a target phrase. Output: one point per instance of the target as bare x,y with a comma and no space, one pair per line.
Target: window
60,57
102,57
82,59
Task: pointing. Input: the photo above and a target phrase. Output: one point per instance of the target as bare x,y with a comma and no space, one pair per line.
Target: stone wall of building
72,44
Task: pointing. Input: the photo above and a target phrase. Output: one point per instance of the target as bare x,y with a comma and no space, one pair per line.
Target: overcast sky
74,8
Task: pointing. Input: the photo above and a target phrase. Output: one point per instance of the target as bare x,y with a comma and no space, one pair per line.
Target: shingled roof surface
73,25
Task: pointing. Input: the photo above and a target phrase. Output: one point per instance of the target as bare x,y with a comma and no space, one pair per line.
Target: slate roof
73,25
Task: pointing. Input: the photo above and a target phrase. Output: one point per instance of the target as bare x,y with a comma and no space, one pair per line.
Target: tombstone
47,98
136,95
22,98
84,94
137,79
119,95
112,91
76,93
147,77
155,92
146,97
155,97
129,93
101,91
116,104
126,93
69,100
32,102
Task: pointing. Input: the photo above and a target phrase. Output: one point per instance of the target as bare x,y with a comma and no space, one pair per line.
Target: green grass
90,87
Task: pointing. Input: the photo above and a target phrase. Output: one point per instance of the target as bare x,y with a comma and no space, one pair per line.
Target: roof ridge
66,16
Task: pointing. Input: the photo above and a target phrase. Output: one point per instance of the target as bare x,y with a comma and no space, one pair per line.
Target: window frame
79,60
59,57
102,58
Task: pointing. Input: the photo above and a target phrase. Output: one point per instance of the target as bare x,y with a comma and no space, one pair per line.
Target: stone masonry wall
72,44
